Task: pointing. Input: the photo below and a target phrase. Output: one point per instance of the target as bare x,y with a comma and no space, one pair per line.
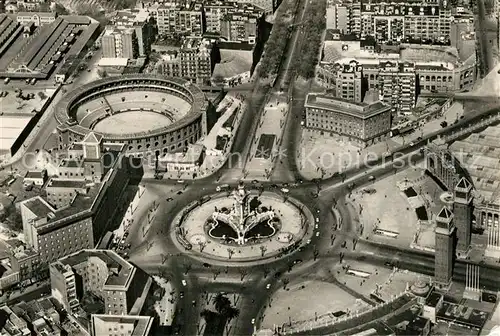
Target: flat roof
101,323
113,61
329,103
35,174
433,299
124,270
63,183
462,315
11,128
38,206
233,62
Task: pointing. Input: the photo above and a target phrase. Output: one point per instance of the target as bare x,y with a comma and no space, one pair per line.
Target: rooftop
191,156
123,270
462,315
100,324
233,62
64,183
360,110
35,174
433,299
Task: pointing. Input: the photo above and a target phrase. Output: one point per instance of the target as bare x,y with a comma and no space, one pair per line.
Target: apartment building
397,85
120,43
103,273
236,27
350,83
77,209
175,19
232,19
360,123
396,22
196,59
141,22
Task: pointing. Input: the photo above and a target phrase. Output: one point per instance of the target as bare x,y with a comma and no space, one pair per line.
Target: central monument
242,218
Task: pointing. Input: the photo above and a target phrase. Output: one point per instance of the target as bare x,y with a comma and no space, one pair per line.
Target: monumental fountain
243,224
240,223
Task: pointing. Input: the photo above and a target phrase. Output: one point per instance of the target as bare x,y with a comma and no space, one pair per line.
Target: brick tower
444,250
462,212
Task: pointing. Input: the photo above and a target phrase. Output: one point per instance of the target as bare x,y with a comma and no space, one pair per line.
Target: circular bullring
147,113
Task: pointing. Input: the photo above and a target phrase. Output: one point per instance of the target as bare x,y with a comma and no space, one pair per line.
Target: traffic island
242,226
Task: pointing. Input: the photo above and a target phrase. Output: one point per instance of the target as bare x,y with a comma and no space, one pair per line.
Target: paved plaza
262,159
304,302
387,210
381,281
193,224
321,156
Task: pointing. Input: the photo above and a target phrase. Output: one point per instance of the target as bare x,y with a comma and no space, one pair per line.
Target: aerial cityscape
249,167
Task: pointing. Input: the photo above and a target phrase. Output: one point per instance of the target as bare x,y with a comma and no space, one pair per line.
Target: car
315,195
285,190
255,181
180,181
253,321
412,144
268,286
285,185
317,219
207,265
308,241
316,226
297,261
317,234
179,192
274,186
184,283
181,294
170,199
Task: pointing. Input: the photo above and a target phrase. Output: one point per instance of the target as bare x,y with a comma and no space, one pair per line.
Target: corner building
361,123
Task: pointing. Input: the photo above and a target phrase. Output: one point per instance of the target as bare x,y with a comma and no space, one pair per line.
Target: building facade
361,123
197,60
120,43
397,86
173,19
396,22
444,248
349,84
462,210
80,209
100,272
239,27
142,23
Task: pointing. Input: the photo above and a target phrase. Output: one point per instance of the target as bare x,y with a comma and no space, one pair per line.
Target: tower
444,250
462,211
92,146
92,157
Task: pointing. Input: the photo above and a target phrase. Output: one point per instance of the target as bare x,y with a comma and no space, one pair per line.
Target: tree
218,80
102,73
224,308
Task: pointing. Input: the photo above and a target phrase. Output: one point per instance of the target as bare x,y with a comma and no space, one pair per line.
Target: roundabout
243,226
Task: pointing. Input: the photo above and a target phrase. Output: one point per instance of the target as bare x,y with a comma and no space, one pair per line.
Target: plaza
291,223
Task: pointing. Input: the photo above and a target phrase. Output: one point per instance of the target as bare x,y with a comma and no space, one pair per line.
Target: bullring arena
147,113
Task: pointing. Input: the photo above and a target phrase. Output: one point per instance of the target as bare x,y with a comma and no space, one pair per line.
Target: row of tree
314,24
275,45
